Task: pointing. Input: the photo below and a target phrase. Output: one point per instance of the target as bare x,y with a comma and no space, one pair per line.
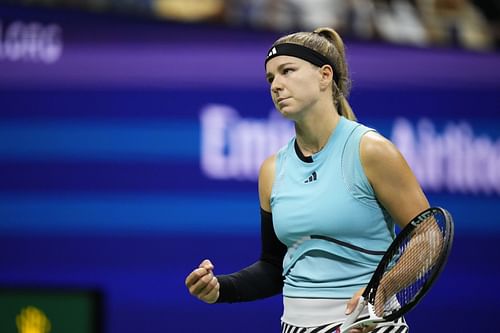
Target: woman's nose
276,85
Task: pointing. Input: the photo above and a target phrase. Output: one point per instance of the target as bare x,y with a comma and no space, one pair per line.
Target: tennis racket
407,270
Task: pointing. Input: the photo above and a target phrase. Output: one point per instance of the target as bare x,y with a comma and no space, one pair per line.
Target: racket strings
411,266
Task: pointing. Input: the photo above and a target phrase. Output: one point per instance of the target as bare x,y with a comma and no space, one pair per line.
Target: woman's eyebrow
268,74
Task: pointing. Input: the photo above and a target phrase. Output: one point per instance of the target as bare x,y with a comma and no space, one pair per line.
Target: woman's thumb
351,305
207,264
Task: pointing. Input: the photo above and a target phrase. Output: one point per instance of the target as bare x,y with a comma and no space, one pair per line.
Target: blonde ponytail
345,109
342,89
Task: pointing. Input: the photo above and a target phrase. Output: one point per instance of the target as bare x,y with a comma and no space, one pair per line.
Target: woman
329,198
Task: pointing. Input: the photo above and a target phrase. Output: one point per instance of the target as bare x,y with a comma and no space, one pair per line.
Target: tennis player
329,199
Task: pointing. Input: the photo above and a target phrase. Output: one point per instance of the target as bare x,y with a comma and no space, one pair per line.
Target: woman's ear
326,73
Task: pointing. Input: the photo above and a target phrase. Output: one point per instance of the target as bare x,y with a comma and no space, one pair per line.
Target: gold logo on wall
32,320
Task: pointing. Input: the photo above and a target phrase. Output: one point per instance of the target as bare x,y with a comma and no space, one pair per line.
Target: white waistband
309,312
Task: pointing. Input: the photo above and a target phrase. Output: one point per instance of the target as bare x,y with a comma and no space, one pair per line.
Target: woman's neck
313,132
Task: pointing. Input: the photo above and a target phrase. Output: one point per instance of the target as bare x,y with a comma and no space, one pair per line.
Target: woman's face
295,84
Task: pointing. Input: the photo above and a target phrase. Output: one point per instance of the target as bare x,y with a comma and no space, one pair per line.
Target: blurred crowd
417,22
469,24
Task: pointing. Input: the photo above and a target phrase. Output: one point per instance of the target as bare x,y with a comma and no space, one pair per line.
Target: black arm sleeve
263,278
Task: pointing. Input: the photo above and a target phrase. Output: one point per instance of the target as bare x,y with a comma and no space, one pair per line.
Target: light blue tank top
326,212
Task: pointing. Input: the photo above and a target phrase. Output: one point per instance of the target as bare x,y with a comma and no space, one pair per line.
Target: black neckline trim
307,159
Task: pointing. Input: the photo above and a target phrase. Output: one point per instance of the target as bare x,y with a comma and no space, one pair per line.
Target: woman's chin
287,111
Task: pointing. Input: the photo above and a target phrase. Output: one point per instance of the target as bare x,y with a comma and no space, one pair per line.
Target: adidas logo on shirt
313,177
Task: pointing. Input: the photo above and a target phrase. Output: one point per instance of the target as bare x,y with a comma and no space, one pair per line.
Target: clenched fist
202,283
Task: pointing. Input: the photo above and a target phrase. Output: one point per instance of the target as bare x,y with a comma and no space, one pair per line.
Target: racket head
434,230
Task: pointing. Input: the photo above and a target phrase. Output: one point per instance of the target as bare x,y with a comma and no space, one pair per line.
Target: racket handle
351,318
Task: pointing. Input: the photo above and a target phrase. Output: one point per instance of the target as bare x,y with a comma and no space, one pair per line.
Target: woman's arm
395,185
259,280
264,277
266,180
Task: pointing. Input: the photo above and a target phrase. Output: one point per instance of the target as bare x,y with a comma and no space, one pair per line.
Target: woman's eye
287,71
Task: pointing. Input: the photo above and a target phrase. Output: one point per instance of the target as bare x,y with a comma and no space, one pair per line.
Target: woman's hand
202,283
351,305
